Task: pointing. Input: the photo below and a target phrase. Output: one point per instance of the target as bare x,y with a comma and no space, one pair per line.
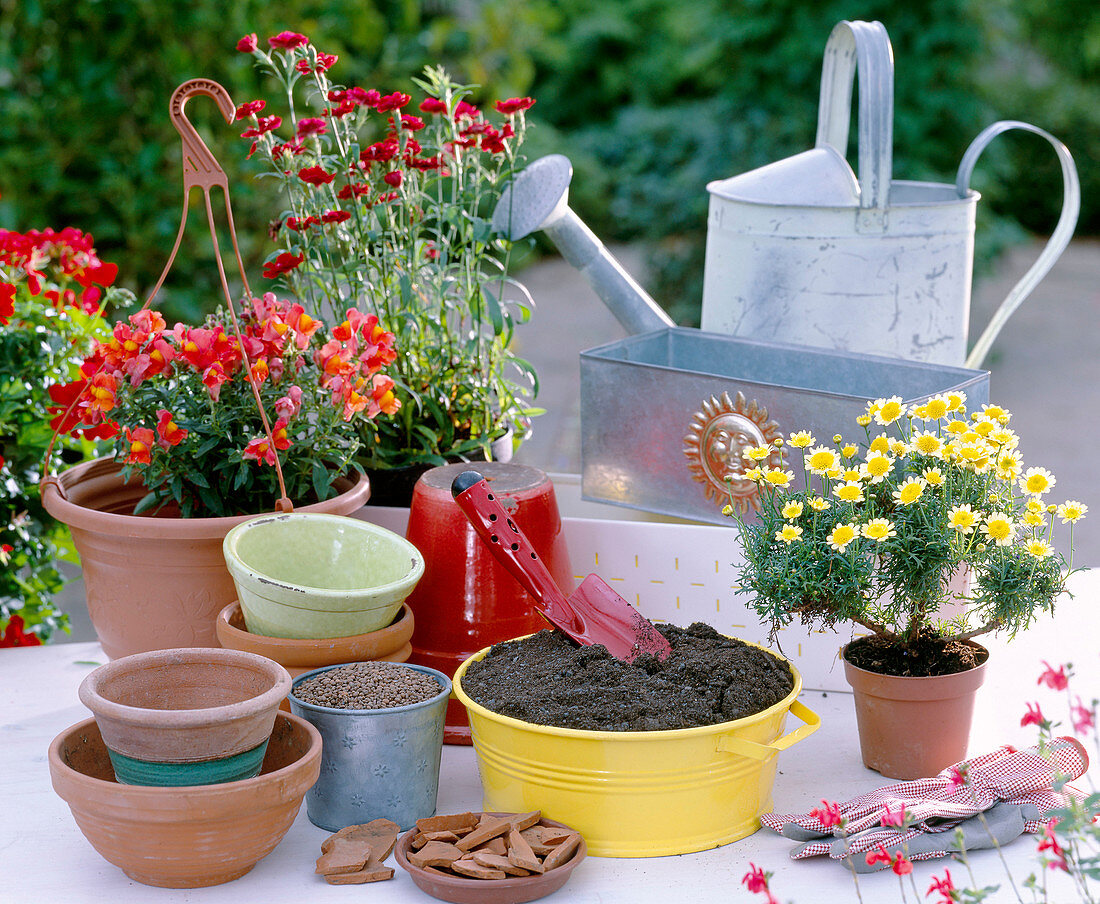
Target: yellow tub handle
744,747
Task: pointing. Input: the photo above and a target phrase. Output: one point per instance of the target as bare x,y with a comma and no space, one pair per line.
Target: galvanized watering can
802,251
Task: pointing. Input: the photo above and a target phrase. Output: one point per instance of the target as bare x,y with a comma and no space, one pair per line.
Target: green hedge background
650,103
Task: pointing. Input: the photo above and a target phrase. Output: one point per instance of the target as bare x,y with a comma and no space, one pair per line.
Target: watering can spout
538,198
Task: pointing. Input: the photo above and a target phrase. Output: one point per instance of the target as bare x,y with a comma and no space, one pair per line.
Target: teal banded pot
189,716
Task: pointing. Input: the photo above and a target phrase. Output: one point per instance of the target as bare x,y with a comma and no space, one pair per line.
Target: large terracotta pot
914,727
467,600
153,583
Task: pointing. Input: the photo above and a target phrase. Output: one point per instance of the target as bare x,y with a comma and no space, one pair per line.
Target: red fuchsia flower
14,634
395,101
828,814
171,434
432,105
311,126
393,179
492,142
514,104
893,817
250,108
343,110
1033,716
944,886
1055,680
284,263
1050,843
315,175
141,441
248,43
287,40
288,406
7,302
1083,717
335,216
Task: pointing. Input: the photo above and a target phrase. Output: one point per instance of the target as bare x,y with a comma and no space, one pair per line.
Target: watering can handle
862,47
745,747
1056,244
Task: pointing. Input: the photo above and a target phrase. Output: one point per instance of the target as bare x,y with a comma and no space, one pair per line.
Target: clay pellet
368,685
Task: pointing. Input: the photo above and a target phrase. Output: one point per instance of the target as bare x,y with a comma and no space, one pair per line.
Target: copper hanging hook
199,165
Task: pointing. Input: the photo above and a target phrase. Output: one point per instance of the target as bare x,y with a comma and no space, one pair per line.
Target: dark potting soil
926,657
549,679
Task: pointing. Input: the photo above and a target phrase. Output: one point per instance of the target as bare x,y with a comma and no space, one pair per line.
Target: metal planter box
665,415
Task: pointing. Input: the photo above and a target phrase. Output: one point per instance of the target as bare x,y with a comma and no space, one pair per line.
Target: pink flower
944,886
1050,843
514,105
1033,716
1055,680
902,865
880,855
1083,717
287,40
893,817
259,450
289,405
247,44
311,126
828,814
956,777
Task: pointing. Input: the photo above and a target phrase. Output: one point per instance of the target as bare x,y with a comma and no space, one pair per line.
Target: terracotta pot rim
146,717
56,491
285,783
969,643
400,623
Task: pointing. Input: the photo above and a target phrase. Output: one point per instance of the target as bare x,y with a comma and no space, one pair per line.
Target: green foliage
84,90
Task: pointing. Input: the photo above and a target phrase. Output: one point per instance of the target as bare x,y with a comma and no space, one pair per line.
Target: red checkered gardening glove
1020,782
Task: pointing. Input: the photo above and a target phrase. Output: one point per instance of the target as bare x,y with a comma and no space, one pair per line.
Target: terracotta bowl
191,716
488,891
185,837
300,655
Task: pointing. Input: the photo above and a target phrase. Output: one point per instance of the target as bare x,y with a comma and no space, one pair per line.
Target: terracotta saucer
301,655
488,891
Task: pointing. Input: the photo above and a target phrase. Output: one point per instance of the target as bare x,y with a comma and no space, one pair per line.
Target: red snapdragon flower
284,263
315,175
287,40
141,441
14,634
171,434
250,108
289,405
514,104
248,43
7,302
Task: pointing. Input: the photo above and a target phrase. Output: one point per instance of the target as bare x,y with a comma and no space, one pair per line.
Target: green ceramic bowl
319,576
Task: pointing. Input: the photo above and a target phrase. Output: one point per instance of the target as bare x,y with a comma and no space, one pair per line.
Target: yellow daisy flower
934,476
996,413
821,459
789,534
818,504
1037,481
801,439
1000,528
1032,520
727,509
983,428
777,477
757,453
920,412
841,536
778,442
962,518
756,474
1051,509
849,450
898,448
956,401
1009,465
889,410
1003,438
878,529
863,420
792,510
936,408
872,407
1039,548
994,498
837,438
1035,506
956,428
1071,510
880,444
849,492
926,444
852,475
910,491
877,466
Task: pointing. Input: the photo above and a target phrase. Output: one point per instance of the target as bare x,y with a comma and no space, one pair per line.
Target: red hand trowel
594,613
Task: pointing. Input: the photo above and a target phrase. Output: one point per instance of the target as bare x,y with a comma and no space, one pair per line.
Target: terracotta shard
495,861
342,855
488,828
439,836
554,835
435,853
379,834
520,853
418,841
476,870
494,846
373,873
525,820
562,852
533,837
450,823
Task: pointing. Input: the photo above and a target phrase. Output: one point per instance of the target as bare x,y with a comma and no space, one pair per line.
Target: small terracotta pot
152,582
467,600
185,837
186,717
914,727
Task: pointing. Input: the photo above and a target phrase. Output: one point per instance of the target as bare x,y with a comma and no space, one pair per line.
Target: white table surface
45,858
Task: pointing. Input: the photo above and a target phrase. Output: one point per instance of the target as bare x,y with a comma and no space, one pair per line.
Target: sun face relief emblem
720,433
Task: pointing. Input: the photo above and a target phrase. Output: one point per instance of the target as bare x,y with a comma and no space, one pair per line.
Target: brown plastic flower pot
153,582
185,837
914,727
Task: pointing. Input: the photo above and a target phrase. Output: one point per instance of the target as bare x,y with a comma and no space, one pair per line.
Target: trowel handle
511,548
